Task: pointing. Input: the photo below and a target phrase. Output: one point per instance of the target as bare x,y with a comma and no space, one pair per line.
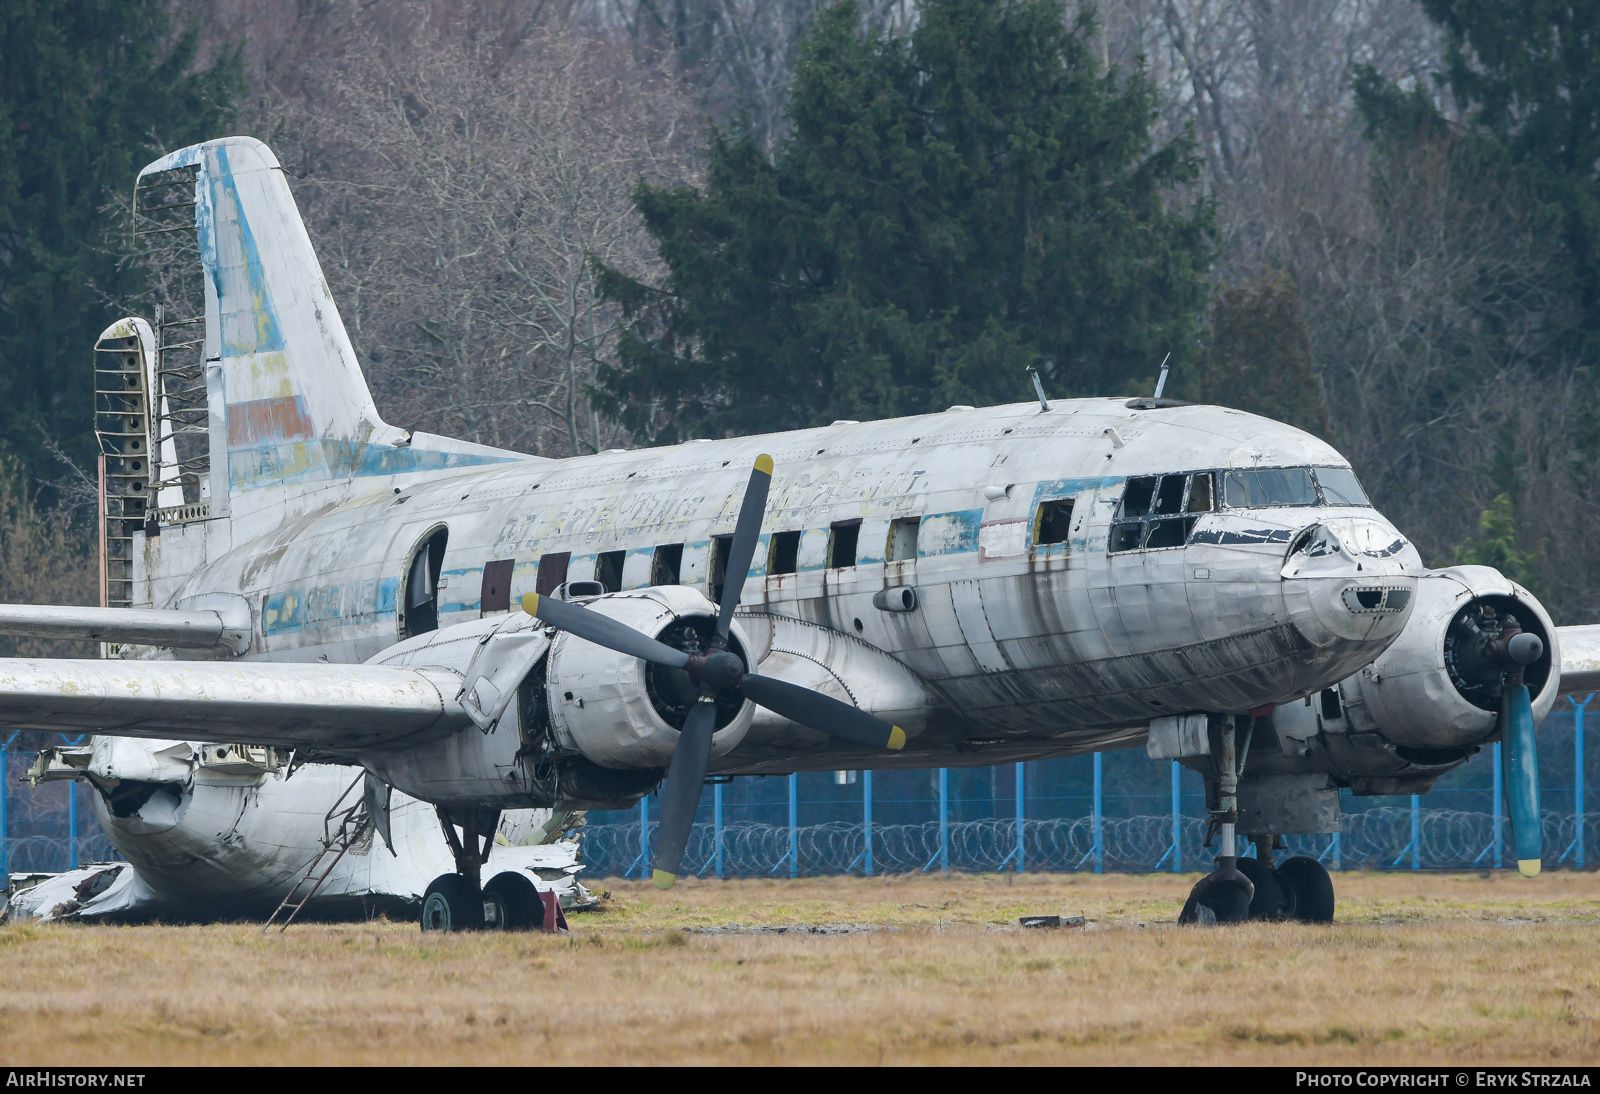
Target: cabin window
720,547
903,538
783,553
667,564
552,572
608,569
1331,708
495,596
422,586
1202,493
842,538
1054,524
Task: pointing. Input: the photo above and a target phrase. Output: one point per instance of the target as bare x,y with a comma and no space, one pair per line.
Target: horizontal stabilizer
188,630
322,707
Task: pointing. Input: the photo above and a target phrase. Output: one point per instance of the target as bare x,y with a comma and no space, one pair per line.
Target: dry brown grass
1447,969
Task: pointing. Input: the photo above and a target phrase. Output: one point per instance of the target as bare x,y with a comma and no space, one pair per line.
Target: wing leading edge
323,707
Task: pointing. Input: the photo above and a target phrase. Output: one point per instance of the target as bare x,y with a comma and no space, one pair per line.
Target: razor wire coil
1373,839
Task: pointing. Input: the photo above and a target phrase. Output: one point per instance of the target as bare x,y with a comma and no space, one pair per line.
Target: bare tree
459,199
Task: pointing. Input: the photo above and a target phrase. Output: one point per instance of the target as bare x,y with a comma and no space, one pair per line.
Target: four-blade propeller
1516,649
715,672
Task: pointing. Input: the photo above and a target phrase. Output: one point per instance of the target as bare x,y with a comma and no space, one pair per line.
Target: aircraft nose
1350,580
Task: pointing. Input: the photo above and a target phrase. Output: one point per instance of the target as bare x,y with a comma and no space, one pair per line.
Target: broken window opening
843,536
667,564
902,539
1136,497
1054,523
608,569
422,585
1331,708
720,546
1169,497
495,595
1169,533
1147,517
552,572
783,553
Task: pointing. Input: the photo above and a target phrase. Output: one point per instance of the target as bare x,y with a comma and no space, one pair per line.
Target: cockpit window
1339,486
1157,511
1279,486
1276,487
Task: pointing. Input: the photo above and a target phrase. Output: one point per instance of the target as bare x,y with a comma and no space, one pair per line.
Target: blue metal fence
1115,811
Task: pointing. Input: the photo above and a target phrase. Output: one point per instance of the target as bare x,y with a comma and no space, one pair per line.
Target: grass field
1421,968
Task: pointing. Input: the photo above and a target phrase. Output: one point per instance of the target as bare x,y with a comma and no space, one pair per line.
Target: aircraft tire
518,901
1267,904
452,903
1214,901
1307,889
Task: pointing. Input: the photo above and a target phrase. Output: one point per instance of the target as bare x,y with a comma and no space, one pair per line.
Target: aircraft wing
322,707
1580,659
197,629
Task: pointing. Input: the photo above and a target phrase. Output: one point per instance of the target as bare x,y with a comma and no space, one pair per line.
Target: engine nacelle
1432,689
619,711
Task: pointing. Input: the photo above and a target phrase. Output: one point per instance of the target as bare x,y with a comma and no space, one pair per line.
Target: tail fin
288,404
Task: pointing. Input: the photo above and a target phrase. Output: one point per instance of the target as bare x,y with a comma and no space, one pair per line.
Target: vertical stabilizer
290,410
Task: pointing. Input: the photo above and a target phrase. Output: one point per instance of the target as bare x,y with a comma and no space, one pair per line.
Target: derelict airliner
484,630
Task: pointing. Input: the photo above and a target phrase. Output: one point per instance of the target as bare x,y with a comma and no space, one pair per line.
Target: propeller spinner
717,671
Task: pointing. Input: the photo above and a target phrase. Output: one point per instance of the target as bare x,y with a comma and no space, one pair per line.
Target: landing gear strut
1225,894
458,902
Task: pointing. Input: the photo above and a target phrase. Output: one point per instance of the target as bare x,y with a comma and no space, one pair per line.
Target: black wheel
1307,890
452,903
1268,901
1215,900
516,902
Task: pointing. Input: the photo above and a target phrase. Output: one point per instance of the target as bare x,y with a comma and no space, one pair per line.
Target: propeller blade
822,713
680,794
745,534
602,630
1522,777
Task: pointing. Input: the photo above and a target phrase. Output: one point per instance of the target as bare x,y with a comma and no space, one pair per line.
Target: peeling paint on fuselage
1055,648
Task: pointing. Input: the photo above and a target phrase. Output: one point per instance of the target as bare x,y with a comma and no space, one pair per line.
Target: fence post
72,824
1416,831
644,836
944,820
1021,813
5,820
794,824
1577,774
1496,861
1177,822
866,820
1099,846
716,823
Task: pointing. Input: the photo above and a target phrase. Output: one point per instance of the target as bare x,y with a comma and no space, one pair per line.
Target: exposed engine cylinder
622,713
1436,687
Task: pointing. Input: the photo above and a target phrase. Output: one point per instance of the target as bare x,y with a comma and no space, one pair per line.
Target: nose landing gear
1241,889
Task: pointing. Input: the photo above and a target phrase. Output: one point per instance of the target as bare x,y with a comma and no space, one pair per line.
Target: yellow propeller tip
530,603
764,464
897,738
1529,867
663,879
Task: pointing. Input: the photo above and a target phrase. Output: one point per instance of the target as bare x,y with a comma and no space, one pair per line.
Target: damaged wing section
318,706
196,630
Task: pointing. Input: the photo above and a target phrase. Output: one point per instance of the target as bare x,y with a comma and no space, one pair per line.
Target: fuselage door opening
421,613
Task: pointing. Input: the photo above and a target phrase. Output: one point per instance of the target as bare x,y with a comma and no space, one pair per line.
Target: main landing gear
1241,889
509,902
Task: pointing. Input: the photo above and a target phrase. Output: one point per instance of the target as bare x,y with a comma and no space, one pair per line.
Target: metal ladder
341,828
